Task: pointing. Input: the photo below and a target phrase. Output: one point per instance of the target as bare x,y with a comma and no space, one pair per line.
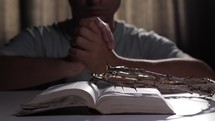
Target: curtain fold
44,12
156,15
18,14
9,22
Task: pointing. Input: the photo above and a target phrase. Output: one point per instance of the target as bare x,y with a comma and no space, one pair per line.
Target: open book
111,100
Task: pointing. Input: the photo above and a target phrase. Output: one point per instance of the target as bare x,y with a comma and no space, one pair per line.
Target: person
74,49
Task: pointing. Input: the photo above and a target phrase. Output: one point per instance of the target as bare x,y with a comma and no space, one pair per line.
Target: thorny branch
136,77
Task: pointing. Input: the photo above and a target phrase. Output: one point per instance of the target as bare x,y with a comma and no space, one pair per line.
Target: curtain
9,19
156,15
43,12
152,15
18,14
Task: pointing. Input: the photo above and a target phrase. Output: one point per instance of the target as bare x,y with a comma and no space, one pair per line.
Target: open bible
110,100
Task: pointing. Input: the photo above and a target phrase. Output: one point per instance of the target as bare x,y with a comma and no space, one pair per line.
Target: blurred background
189,23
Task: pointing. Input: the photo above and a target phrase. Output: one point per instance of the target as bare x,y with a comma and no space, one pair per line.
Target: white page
64,90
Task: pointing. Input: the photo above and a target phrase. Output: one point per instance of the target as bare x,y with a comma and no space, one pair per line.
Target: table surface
187,108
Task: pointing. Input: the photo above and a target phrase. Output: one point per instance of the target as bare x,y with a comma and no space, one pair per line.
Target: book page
129,91
130,100
81,93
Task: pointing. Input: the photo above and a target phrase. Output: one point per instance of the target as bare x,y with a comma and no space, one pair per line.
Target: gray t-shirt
54,42
137,43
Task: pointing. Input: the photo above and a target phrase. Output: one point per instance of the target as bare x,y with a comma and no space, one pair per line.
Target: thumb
106,33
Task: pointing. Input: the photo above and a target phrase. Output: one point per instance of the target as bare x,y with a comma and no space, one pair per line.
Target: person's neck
112,25
109,21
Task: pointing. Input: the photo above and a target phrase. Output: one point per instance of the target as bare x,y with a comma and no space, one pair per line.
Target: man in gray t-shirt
40,55
52,42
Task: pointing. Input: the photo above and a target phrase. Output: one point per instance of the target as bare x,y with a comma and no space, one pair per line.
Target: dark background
200,30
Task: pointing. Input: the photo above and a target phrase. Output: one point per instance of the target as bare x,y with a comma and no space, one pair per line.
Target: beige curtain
17,14
44,12
9,19
156,15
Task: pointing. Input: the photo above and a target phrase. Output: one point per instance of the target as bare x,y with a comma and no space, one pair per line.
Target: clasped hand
93,44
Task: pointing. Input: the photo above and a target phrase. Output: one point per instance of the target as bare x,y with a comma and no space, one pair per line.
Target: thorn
123,88
135,87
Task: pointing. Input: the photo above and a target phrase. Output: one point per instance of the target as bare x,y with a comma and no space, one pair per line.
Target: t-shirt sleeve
44,42
132,42
160,47
26,43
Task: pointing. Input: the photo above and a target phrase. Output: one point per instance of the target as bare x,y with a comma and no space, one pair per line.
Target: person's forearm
179,67
21,72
